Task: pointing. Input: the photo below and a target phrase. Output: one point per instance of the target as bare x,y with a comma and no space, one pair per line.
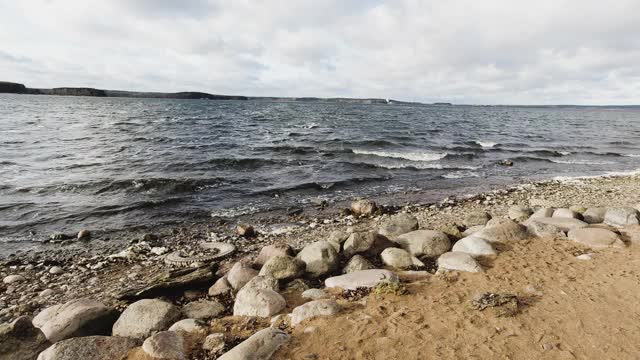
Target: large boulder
79,317
502,230
357,263
337,238
565,213
165,345
519,213
90,348
596,238
458,261
368,244
325,307
220,287
474,246
476,218
621,216
203,309
363,207
364,278
145,317
399,259
283,267
542,229
260,346
562,224
397,225
197,329
21,340
240,274
320,258
429,243
258,302
263,282
594,215
270,251
543,212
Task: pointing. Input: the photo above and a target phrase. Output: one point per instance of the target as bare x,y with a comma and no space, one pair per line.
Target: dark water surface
108,163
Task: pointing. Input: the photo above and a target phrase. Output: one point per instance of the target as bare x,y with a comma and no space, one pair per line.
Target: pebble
56,270
13,279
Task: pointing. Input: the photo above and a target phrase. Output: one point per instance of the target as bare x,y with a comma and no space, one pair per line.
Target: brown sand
571,309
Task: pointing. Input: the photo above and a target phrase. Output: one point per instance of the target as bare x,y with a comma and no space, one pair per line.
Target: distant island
17,88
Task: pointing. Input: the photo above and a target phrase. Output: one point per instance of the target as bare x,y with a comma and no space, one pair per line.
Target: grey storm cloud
463,51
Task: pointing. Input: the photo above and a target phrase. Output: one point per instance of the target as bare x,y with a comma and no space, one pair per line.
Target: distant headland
17,88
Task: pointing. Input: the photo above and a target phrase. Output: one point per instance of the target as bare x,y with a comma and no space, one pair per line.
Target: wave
460,174
425,166
583,162
635,172
165,185
486,144
318,185
412,156
631,155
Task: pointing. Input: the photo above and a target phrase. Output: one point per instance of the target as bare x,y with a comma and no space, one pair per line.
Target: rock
364,278
245,230
399,259
565,213
621,216
263,282
397,225
165,345
543,212
541,229
170,282
240,274
144,317
270,251
427,243
11,279
220,287
214,344
326,307
203,309
84,234
474,247
159,250
357,263
578,209
506,162
192,327
368,244
21,340
472,230
594,215
476,218
413,275
502,230
46,293
631,234
283,267
320,258
90,348
458,261
79,317
56,270
563,224
452,231
260,346
258,302
519,213
363,207
584,257
314,294
337,238
595,238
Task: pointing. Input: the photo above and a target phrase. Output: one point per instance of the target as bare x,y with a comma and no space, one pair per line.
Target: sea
111,163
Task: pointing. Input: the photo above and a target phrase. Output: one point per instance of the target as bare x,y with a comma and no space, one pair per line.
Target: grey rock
519,212
364,278
562,224
472,230
312,309
314,294
476,218
594,215
21,340
337,238
631,234
502,230
203,309
397,225
283,267
258,302
263,282
458,261
368,244
320,258
165,345
11,279
364,207
621,216
399,259
474,247
544,212
357,263
90,348
270,251
220,287
170,282
595,238
565,213
144,317
542,229
240,274
260,346
190,326
429,243
214,344
79,317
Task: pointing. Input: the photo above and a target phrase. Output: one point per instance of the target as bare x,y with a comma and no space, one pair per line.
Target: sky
583,52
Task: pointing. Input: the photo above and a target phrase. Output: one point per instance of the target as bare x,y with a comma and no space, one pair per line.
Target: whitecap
631,155
486,144
460,174
413,156
582,162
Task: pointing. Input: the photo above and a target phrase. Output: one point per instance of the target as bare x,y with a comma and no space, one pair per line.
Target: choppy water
107,163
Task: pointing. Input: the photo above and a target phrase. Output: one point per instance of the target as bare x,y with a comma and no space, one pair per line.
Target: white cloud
465,51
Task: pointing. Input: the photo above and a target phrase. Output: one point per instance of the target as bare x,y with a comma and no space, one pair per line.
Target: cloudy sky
463,51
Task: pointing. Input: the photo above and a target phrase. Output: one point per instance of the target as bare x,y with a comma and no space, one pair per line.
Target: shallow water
108,163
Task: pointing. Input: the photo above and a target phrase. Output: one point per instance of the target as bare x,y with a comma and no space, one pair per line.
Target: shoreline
102,276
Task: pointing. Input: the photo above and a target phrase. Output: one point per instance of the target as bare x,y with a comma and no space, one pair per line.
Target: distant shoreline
17,88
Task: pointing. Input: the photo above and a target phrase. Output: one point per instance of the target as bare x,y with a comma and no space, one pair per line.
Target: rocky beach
537,270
